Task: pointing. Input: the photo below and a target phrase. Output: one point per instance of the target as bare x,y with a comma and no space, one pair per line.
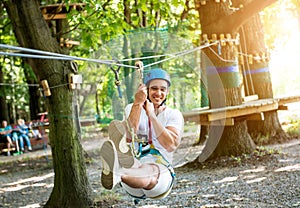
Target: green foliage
237,159
293,128
262,139
14,88
100,27
262,151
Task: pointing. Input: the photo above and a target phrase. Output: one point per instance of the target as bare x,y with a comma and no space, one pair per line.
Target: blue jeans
23,137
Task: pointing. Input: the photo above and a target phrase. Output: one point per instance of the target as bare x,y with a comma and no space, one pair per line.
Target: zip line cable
57,56
146,57
181,54
35,56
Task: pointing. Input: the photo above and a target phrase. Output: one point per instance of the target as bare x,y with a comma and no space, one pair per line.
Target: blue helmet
157,73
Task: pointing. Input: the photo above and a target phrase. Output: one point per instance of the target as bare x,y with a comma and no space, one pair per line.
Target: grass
106,198
293,129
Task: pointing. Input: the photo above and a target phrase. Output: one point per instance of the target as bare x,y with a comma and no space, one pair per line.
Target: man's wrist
138,104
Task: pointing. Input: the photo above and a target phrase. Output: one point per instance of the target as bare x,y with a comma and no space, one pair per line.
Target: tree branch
186,10
238,18
232,22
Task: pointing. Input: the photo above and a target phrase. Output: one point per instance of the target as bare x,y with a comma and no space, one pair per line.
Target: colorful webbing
255,71
215,70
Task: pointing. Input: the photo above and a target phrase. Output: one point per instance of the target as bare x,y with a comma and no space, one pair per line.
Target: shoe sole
117,134
109,165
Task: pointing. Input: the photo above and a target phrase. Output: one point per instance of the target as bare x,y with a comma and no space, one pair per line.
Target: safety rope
134,137
248,66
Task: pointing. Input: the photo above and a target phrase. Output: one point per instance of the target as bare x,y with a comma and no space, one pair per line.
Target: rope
222,59
244,75
134,137
247,62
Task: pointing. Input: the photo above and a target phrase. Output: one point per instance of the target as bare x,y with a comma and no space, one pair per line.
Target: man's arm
7,131
168,136
135,113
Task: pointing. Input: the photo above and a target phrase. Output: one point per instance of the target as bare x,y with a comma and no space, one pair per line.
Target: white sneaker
117,134
110,165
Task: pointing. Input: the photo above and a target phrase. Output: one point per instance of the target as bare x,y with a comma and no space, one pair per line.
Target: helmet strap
163,102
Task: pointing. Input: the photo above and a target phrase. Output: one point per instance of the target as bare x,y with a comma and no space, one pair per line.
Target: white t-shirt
169,117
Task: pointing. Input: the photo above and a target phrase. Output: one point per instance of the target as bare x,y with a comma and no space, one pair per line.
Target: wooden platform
252,110
59,11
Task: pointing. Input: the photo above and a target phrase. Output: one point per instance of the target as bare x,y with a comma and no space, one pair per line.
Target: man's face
158,91
4,123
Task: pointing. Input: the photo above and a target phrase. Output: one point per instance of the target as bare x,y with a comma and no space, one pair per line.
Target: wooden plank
194,117
250,110
250,98
242,112
53,7
54,16
226,122
87,122
72,42
289,99
283,107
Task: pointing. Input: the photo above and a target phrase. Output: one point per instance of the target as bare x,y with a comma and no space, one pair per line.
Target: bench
35,143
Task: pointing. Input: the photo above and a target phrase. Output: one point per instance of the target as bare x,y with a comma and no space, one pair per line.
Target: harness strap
150,132
160,159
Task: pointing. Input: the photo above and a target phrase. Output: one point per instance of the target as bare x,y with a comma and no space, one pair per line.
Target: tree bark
33,91
3,104
222,63
257,77
71,185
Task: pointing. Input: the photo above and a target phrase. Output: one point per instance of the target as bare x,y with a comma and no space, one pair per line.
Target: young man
158,129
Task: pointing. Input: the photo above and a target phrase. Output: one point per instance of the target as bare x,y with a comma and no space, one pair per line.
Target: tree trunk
222,64
71,185
257,76
33,91
3,104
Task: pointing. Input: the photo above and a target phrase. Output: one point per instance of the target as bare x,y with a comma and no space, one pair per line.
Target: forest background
20,89
107,33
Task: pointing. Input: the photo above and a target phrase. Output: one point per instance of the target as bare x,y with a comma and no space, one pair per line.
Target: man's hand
141,94
149,108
